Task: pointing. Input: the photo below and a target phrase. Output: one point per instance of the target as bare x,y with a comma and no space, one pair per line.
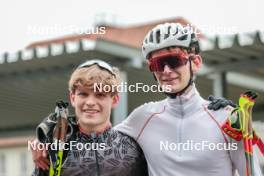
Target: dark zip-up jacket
113,154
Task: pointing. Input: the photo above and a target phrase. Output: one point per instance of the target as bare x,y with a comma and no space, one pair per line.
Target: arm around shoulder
132,125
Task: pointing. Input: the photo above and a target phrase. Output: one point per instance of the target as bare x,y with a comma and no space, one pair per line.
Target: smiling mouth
169,80
91,111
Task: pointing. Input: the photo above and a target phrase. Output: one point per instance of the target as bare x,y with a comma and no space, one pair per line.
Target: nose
90,101
167,69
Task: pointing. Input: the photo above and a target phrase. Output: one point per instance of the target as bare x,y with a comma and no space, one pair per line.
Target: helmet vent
184,37
174,31
151,37
167,34
158,36
146,41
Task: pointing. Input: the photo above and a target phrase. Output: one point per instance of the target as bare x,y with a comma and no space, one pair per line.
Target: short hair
89,76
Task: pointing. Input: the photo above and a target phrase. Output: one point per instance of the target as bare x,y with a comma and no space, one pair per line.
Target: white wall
18,161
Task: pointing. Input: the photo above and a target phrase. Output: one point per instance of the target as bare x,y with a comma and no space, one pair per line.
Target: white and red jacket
163,130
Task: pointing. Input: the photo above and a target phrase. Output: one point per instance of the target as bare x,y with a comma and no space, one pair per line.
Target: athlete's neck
94,129
188,89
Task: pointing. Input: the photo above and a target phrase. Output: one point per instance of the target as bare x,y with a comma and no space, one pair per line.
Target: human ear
196,63
72,98
116,99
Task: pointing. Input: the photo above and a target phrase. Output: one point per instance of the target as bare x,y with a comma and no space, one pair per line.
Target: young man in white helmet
180,135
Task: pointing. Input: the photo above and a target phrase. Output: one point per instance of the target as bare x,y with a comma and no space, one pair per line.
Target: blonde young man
118,154
180,136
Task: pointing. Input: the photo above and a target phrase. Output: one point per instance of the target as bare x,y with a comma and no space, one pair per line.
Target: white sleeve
134,122
239,160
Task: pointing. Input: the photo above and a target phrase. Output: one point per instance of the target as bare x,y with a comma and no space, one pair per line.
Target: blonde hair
89,76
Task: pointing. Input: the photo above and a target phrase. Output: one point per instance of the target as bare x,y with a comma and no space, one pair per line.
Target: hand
45,128
218,103
39,157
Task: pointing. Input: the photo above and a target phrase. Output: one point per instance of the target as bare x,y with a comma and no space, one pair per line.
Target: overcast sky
19,18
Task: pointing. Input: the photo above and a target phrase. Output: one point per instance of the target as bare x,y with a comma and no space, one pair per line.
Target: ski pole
59,138
246,103
239,127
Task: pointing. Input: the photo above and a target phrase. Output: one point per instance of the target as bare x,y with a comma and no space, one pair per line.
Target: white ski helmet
169,34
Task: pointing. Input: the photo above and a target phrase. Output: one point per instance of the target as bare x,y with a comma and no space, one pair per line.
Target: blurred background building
34,78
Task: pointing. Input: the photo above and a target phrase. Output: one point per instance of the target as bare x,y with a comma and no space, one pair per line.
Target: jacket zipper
95,139
180,126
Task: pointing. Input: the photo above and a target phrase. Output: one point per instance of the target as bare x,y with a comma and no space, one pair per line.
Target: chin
174,89
86,122
91,122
